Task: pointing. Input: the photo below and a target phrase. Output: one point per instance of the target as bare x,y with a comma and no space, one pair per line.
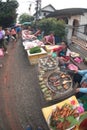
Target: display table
47,111
32,43
33,58
48,48
50,92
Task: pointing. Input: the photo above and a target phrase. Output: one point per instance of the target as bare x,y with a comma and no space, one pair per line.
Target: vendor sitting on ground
38,32
82,90
50,39
80,77
63,53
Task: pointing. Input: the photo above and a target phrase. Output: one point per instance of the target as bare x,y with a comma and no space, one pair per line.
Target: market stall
54,83
66,115
69,114
27,35
30,44
34,57
33,46
48,48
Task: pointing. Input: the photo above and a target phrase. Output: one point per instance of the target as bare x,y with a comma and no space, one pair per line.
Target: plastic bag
54,55
72,67
78,59
1,53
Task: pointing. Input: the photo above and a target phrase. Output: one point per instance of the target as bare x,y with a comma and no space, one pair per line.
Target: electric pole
38,9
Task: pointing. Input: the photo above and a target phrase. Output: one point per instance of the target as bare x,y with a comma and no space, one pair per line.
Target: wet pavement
21,99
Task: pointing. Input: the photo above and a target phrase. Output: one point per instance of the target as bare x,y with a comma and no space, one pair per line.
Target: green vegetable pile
35,50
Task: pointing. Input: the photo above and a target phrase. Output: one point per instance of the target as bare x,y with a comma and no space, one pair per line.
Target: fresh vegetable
35,50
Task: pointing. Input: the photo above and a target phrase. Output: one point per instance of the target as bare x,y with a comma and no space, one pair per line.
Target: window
44,14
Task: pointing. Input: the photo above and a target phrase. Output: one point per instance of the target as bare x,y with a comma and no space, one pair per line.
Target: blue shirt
83,73
83,90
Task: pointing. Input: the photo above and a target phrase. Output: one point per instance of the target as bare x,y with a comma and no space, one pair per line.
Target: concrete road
21,99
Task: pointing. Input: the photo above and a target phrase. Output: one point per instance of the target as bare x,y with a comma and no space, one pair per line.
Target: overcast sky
58,4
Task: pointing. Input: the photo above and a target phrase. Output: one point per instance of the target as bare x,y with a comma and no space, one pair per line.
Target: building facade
45,11
76,21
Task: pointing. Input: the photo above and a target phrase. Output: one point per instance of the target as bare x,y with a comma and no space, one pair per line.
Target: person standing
7,34
1,43
13,36
2,40
18,31
1,37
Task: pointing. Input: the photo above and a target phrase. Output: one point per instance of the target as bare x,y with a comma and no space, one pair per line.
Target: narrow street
21,99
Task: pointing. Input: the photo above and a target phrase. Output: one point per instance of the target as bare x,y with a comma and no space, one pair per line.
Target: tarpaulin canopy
26,23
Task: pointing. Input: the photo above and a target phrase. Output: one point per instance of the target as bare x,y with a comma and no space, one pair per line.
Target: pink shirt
50,39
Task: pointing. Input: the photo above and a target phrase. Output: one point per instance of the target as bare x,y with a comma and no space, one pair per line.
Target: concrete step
80,42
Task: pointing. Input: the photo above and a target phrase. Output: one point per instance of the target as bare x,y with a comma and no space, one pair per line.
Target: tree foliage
8,13
25,18
54,25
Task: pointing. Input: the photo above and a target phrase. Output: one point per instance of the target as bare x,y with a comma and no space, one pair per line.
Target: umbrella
26,23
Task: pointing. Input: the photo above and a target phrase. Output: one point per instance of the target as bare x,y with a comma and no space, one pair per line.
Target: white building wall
42,14
70,23
49,8
77,17
82,19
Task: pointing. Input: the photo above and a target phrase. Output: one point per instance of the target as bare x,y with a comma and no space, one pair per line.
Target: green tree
25,18
8,13
54,25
